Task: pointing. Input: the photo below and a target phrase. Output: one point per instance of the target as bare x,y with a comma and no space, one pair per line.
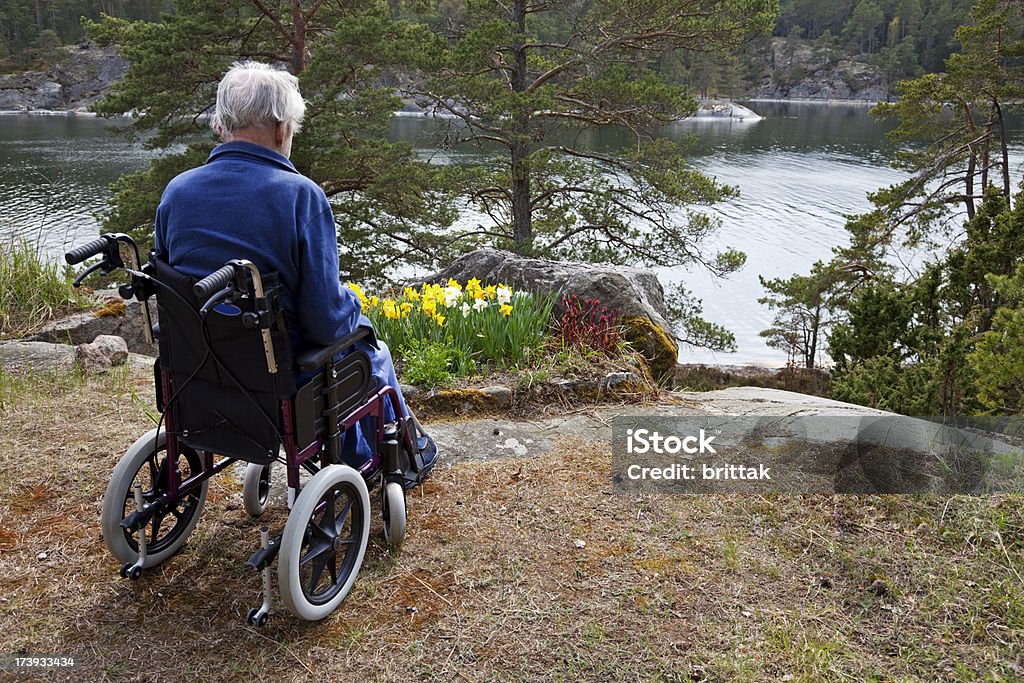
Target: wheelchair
227,390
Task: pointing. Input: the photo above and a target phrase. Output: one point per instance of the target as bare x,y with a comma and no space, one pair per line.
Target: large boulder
637,294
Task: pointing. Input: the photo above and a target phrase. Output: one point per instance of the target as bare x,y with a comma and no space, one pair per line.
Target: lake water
799,171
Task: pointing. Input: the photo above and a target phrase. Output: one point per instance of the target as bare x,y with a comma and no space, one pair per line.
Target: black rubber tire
317,535
256,488
143,462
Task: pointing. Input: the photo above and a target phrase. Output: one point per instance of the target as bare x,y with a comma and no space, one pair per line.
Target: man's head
260,104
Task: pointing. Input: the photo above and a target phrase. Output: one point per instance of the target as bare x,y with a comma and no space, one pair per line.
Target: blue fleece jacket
249,202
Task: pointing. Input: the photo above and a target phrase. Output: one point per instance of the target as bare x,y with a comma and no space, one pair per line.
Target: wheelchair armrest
315,358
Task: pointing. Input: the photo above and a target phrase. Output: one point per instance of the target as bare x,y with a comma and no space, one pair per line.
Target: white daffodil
465,309
504,295
479,304
451,296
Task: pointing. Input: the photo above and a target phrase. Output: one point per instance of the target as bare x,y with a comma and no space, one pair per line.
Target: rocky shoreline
800,74
70,86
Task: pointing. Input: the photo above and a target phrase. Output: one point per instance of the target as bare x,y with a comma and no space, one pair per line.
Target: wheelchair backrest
223,398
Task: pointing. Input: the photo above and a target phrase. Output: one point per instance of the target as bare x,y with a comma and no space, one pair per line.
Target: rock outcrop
117,317
637,294
799,71
75,82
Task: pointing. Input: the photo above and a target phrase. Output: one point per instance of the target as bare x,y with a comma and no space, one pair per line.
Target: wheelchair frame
397,460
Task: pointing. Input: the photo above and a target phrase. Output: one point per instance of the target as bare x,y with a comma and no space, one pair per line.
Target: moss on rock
651,341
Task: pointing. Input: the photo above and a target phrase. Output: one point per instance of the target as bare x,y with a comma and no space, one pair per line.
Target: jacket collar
248,150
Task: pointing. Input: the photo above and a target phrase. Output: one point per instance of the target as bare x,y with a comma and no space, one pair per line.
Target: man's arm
327,311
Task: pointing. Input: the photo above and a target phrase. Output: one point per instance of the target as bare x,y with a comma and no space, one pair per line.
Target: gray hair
256,94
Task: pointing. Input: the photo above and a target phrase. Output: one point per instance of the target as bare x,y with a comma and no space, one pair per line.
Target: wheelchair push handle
215,281
79,254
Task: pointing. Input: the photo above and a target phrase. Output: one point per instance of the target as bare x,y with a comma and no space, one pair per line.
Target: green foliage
943,343
998,358
33,289
685,312
432,363
945,339
802,305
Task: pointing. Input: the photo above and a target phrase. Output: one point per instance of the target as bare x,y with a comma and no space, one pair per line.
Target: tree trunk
522,224
813,347
299,38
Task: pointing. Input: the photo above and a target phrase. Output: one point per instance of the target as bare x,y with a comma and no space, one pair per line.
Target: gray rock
497,396
620,381
49,95
79,79
82,328
634,292
103,353
34,356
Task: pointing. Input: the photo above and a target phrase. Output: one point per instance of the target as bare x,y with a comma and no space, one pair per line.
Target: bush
32,289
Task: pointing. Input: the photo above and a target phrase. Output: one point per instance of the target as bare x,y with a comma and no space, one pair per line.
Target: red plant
587,325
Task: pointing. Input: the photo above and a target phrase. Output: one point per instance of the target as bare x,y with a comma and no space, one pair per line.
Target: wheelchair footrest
264,557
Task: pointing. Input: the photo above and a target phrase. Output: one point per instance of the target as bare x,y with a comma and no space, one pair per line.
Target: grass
492,585
33,289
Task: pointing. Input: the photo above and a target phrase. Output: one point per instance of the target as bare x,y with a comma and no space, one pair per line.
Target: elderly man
249,202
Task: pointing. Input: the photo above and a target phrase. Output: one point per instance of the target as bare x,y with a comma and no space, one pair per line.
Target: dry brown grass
491,584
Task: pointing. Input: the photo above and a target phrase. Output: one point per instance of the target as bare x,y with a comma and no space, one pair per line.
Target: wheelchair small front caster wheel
256,489
131,571
392,509
256,619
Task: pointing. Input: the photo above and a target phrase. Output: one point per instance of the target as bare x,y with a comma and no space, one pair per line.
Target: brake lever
87,272
217,299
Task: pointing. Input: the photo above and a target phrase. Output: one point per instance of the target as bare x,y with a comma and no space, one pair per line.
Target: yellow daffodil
439,319
374,301
505,309
429,306
411,294
454,284
406,307
491,291
390,309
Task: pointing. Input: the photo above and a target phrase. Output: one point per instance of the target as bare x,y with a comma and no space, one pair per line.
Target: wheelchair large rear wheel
145,462
324,542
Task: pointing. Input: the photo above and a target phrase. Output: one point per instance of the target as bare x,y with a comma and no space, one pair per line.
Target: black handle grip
79,254
214,281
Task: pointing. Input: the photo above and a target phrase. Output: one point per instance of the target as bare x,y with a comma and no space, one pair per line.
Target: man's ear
280,132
